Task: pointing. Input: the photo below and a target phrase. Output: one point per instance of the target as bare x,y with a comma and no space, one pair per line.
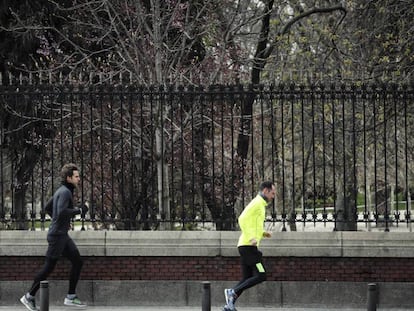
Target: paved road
163,308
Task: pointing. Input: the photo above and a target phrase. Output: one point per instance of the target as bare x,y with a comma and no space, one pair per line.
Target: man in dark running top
62,210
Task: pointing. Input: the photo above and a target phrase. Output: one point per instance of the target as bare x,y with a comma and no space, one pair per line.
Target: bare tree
161,43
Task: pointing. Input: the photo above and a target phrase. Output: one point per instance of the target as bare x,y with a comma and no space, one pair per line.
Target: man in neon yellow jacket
251,223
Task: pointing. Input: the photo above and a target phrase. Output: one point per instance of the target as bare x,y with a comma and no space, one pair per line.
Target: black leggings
253,271
60,246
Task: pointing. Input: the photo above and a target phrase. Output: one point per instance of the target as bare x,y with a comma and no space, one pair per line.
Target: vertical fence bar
81,98
42,164
374,107
158,191
123,202
283,101
181,102
72,127
364,159
343,221
172,100
143,164
201,149
292,103
191,100
232,103
229,213
112,137
272,135
13,214
32,204
213,150
262,143
250,132
165,208
102,142
2,202
407,191
302,121
397,209
384,142
354,159
324,202
132,192
333,107
243,100
92,133
34,114
313,148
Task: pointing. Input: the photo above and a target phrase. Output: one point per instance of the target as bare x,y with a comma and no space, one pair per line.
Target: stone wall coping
215,243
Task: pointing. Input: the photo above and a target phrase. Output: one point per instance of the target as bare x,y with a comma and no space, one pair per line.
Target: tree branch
310,12
288,25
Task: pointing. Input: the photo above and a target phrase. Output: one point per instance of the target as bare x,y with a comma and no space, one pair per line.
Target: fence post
206,300
372,297
44,296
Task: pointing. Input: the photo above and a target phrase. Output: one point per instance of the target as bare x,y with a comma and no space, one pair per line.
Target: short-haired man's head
67,171
267,190
266,185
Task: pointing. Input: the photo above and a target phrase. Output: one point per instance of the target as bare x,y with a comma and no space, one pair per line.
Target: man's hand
83,210
267,235
253,242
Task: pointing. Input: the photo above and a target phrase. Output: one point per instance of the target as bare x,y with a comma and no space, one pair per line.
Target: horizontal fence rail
154,158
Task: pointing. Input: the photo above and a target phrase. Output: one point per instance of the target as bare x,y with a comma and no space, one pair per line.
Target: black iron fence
192,157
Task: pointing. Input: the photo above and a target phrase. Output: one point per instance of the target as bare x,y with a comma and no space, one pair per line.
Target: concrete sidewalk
178,308
163,308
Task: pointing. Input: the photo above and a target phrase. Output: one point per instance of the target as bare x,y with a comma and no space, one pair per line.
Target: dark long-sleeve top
63,210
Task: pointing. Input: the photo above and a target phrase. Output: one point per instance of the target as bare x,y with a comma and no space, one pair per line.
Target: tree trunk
24,166
162,168
20,207
346,205
162,178
346,210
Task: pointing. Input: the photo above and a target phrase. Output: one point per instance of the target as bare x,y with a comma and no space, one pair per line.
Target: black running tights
253,271
72,253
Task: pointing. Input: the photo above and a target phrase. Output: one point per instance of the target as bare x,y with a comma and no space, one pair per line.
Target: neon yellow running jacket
251,221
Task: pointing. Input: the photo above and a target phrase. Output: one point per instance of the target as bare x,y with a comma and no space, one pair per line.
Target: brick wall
143,267
217,268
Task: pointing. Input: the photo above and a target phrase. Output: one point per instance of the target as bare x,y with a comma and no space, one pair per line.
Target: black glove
83,210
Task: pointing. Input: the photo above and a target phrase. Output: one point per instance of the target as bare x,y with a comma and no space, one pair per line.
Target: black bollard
372,297
44,296
206,300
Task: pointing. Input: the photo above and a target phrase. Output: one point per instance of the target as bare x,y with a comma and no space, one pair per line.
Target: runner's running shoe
28,303
75,302
230,298
227,308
